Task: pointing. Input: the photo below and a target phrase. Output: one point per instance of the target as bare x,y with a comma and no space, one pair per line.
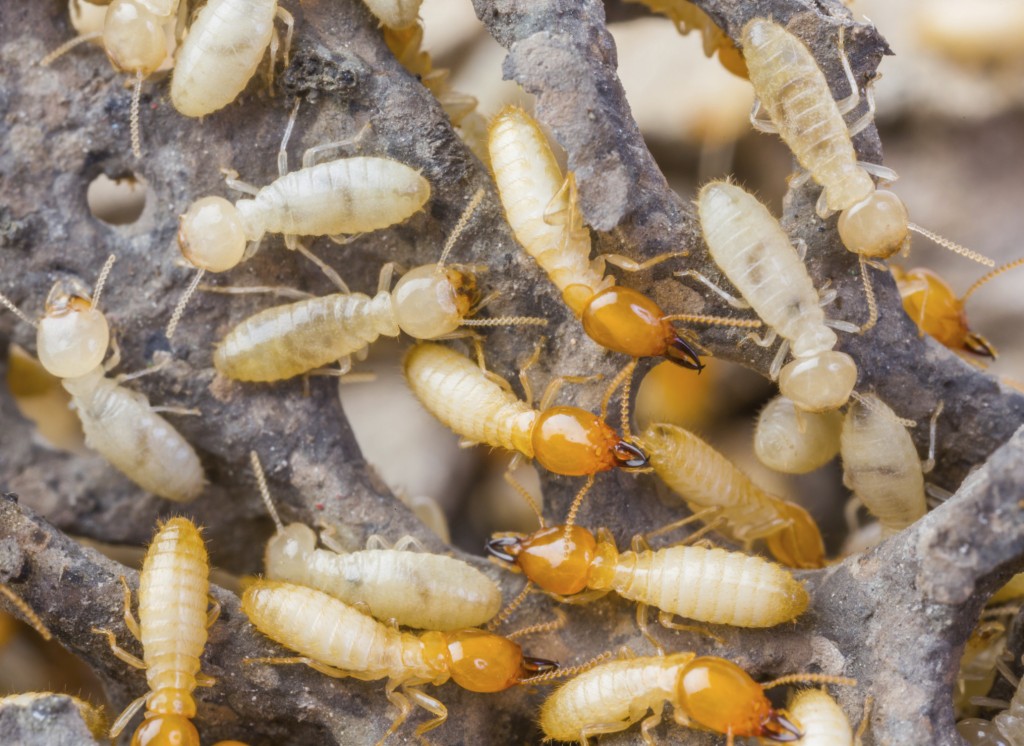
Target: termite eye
211,234
630,456
166,730
429,304
819,383
876,226
483,662
133,37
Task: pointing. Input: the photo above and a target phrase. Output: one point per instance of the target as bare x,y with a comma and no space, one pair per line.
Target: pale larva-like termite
688,17
706,585
707,479
428,302
881,465
1005,729
173,619
709,693
223,48
415,589
755,254
540,204
397,14
340,641
821,719
120,424
794,92
793,441
93,716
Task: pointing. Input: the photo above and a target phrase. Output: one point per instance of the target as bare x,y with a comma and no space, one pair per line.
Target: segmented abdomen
173,587
705,479
223,48
610,693
346,195
549,228
794,92
458,393
711,585
427,591
287,341
821,719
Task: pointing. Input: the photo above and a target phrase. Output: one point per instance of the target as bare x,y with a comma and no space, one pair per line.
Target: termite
540,204
395,14
71,341
173,619
415,589
982,652
820,718
793,441
223,48
344,195
705,692
93,717
1005,728
755,254
707,479
931,303
794,92
428,302
339,641
688,17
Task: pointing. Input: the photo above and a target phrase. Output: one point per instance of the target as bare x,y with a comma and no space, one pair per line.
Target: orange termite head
721,696
166,730
575,442
485,662
546,558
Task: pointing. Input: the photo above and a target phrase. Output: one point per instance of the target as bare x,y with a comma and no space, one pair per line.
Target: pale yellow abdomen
821,719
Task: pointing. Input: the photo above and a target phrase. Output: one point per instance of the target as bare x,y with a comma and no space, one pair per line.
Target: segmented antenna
134,116
33,619
68,46
873,406
990,276
179,309
562,673
9,305
261,480
869,295
503,615
459,227
102,280
953,246
809,678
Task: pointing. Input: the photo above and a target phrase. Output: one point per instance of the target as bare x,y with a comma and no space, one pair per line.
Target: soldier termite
173,618
790,440
339,641
323,198
71,341
938,312
705,692
755,254
820,718
395,14
428,302
541,208
794,92
223,48
707,479
688,17
415,589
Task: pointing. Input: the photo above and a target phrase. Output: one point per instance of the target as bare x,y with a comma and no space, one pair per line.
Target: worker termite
820,718
323,198
688,17
173,619
428,302
707,479
705,692
395,14
71,341
794,92
415,589
793,441
938,312
540,205
223,48
339,641
755,254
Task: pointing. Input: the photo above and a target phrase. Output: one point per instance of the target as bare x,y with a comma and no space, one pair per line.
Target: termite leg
701,515
399,700
213,613
233,182
431,705
328,271
286,18
928,464
862,122
759,124
205,680
555,385
801,248
843,326
849,103
115,355
524,493
761,341
285,292
387,274
650,723
641,623
880,172
780,357
631,265
524,379
553,215
821,207
129,618
317,154
125,717
667,620
725,295
799,179
182,411
118,651
600,729
403,544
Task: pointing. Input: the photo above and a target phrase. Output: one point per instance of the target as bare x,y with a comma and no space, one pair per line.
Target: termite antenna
101,281
715,320
865,720
869,295
525,494
261,480
506,321
6,303
952,246
179,309
868,403
563,673
809,678
460,226
30,616
282,152
68,46
134,116
503,616
570,519
990,276
554,625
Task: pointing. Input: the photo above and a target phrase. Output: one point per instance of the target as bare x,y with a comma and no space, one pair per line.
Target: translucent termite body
707,479
706,585
881,465
705,692
688,17
540,204
172,627
339,641
1005,729
223,48
821,719
397,14
564,440
790,440
755,254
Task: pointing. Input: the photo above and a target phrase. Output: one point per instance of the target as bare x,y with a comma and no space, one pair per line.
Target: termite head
430,303
288,552
819,383
133,37
938,312
575,442
721,696
799,544
72,337
166,730
877,226
484,662
548,559
211,234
